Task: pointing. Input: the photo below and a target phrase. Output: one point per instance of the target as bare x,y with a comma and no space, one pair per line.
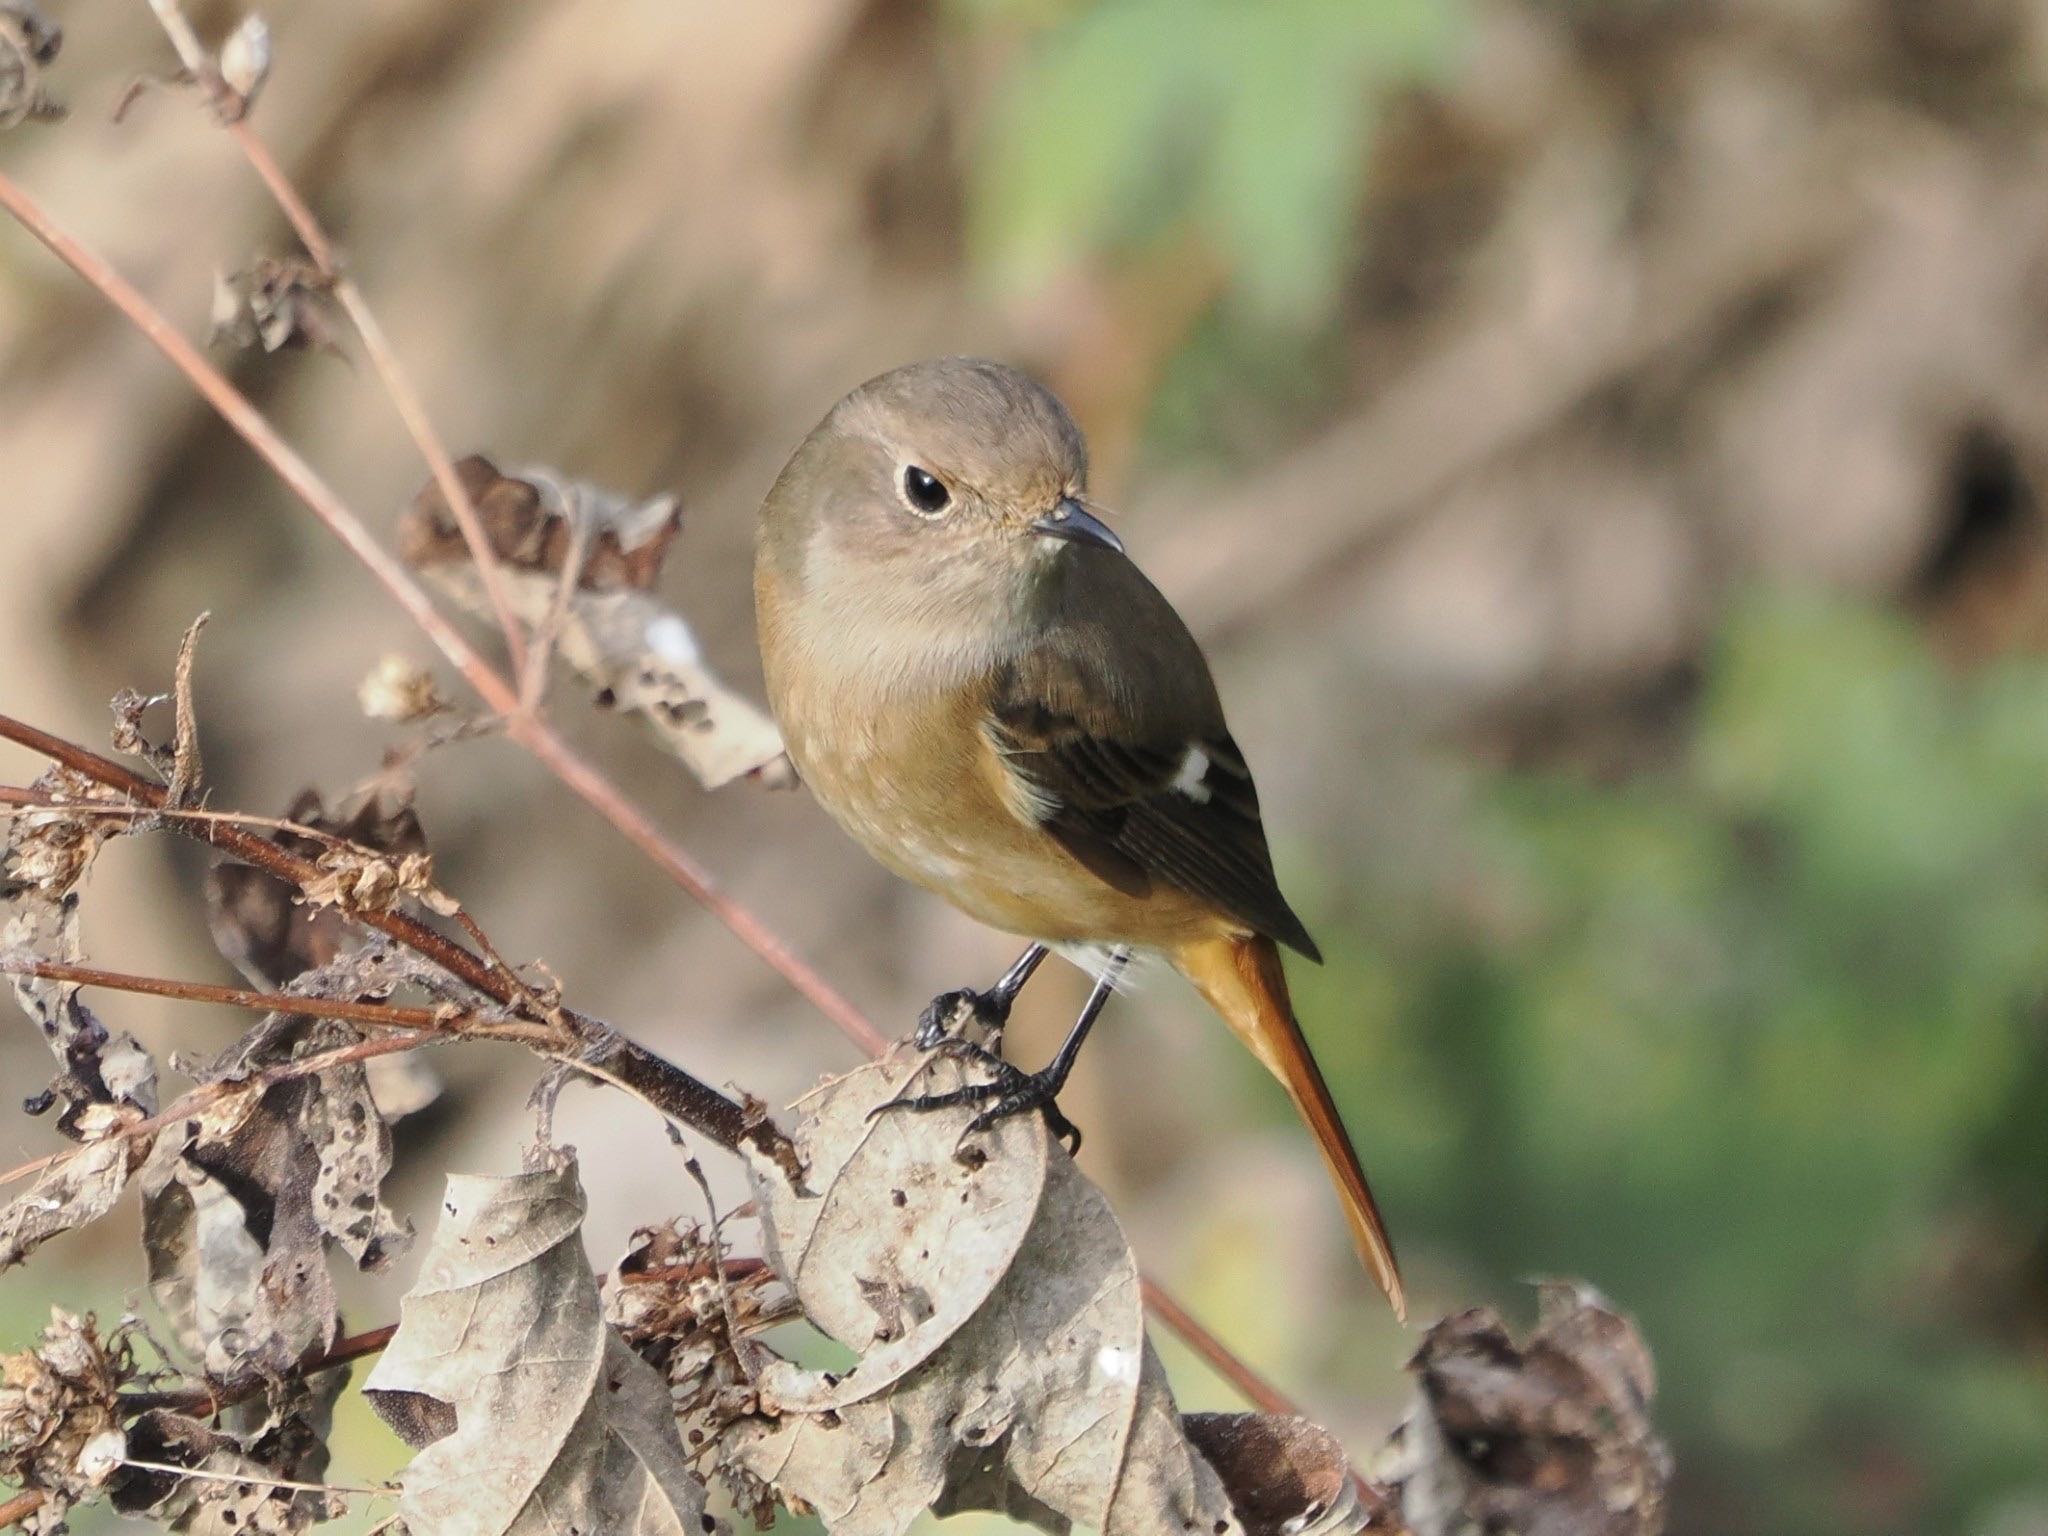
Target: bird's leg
944,1015
1015,1091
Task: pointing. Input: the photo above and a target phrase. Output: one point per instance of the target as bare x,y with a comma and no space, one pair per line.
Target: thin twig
229,110
204,1402
1256,1390
604,1053
20,1507
206,1095
35,799
381,1015
533,684
412,412
254,1480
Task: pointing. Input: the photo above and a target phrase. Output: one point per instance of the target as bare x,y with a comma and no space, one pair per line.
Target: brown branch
604,1052
20,1507
203,1402
381,1015
1256,1390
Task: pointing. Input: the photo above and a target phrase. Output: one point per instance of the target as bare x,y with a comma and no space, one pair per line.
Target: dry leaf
682,1304
104,1079
578,564
542,525
1286,1476
76,1189
530,1415
275,303
257,921
1549,1438
224,1504
241,1199
995,1306
273,938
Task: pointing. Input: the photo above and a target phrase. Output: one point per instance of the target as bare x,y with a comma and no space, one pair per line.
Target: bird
979,685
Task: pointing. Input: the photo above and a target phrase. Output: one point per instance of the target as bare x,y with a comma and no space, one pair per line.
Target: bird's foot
1008,1091
947,1016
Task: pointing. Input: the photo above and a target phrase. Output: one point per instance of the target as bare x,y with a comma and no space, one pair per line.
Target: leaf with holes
530,1415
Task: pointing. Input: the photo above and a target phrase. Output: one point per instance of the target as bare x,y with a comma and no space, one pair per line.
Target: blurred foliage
1134,121
1751,1042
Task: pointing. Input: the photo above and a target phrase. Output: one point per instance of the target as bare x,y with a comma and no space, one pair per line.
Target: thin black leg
1062,1063
1004,993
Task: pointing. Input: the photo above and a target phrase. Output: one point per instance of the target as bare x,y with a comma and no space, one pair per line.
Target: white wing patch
1194,769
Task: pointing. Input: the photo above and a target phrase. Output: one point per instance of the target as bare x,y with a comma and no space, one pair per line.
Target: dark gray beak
1069,521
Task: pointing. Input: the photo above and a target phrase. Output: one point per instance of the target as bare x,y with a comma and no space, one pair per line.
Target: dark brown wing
1112,729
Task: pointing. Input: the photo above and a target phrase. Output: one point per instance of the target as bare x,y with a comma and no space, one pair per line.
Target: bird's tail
1242,980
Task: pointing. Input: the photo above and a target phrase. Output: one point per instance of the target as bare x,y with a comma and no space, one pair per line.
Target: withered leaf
530,1414
178,762
639,655
679,1302
222,1504
275,939
275,303
995,1306
1550,1438
1286,1476
78,1188
103,1077
241,1199
257,922
537,524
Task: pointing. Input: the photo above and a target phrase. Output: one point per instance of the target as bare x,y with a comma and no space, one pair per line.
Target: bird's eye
925,492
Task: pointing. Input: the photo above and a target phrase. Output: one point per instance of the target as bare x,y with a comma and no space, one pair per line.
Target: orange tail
1243,981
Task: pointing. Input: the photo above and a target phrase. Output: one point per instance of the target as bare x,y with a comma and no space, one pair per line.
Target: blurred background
1600,443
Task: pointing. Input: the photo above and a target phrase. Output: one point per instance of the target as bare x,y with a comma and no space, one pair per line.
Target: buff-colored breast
899,757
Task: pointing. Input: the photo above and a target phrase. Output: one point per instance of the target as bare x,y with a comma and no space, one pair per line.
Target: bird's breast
887,730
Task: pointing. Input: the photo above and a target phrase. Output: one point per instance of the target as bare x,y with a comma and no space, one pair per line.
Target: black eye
924,490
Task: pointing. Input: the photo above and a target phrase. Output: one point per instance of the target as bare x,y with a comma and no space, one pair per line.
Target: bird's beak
1068,521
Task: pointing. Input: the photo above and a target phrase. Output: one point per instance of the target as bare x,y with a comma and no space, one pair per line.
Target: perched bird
981,687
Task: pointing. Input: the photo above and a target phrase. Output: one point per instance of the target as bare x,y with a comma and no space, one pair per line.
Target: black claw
1033,1093
945,1015
1015,1092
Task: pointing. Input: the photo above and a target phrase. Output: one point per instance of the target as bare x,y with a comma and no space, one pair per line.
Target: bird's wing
1115,745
